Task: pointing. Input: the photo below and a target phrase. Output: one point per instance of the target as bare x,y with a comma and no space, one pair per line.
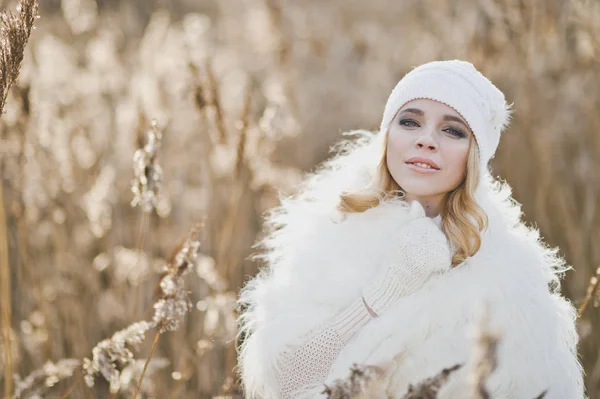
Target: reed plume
15,30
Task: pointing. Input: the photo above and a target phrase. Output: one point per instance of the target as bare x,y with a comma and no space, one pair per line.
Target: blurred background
246,96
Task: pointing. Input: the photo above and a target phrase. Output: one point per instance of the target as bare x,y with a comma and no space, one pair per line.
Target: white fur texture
317,262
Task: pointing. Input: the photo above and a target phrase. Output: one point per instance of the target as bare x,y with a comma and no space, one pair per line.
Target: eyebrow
413,111
446,117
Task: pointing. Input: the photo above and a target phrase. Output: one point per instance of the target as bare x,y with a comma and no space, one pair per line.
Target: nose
427,141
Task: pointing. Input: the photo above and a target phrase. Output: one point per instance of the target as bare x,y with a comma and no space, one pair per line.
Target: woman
391,248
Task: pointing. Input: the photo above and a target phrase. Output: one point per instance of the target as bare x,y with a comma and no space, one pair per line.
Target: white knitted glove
421,249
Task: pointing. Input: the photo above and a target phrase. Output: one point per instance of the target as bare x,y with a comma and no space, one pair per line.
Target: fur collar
317,261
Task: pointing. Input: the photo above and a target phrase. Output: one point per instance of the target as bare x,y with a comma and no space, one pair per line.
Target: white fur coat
317,261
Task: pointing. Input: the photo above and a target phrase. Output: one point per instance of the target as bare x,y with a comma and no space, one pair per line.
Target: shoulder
529,258
514,271
518,275
510,245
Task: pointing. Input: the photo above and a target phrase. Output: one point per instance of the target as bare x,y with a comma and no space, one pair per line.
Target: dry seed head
36,383
113,354
186,255
147,185
484,357
429,388
361,382
170,310
14,35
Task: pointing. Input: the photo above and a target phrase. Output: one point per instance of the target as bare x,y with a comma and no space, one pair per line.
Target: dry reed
14,36
429,388
5,301
78,112
592,294
484,356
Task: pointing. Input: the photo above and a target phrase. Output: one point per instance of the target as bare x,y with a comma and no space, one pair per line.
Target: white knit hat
461,86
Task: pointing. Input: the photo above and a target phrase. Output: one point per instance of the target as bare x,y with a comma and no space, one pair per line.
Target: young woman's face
427,131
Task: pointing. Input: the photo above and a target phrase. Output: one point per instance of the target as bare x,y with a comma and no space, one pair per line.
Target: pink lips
420,169
429,162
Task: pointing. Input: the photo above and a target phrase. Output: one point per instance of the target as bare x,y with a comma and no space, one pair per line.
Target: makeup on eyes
458,133
403,122
448,118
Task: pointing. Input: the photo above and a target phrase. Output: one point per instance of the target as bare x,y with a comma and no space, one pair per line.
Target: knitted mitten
420,250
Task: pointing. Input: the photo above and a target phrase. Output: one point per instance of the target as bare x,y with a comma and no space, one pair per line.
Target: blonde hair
462,218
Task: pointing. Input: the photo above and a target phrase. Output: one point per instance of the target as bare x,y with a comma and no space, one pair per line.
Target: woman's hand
421,243
420,250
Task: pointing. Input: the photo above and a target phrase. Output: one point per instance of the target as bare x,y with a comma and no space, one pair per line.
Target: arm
419,252
307,364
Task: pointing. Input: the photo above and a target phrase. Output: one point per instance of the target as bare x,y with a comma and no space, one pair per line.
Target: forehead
430,106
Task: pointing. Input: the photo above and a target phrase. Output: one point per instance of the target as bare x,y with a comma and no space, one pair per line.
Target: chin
420,189
421,194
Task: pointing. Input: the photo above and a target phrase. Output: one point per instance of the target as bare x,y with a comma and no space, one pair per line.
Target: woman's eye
456,132
409,123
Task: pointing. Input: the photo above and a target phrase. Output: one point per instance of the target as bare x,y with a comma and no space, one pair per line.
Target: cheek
397,146
457,157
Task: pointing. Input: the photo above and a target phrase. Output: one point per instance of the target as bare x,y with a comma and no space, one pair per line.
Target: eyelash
457,133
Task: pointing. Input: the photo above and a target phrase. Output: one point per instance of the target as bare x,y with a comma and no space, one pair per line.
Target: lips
423,163
422,170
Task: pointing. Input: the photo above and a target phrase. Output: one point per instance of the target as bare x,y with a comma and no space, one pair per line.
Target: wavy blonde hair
462,218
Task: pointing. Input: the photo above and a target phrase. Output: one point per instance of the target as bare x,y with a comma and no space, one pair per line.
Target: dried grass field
144,139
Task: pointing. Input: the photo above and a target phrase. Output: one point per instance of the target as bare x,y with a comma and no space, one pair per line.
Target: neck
431,204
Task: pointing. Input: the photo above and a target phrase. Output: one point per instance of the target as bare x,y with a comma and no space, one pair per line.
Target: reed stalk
5,300
139,384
